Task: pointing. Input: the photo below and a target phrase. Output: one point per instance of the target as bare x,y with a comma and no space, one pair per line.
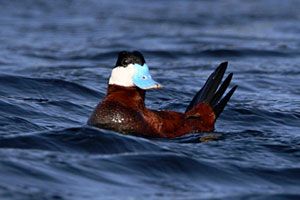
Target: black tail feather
207,91
218,109
212,92
213,84
221,90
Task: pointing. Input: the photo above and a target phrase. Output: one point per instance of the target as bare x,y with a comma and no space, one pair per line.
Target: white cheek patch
122,76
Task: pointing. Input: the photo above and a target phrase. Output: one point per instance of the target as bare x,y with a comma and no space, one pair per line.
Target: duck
123,108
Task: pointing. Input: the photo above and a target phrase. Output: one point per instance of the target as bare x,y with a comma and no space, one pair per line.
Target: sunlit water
55,59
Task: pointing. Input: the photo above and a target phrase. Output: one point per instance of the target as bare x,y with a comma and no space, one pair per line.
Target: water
55,60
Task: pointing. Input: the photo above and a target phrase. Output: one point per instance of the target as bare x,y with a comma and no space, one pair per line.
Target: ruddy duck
123,108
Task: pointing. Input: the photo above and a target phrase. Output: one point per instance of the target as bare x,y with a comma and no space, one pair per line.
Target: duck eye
144,77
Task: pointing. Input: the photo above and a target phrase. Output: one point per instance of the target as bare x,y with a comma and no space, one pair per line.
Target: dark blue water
55,60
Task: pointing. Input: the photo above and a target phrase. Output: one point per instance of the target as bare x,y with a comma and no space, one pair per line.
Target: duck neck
128,95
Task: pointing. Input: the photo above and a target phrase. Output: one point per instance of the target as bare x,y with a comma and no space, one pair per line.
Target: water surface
56,57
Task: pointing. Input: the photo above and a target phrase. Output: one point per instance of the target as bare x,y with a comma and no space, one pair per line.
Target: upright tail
212,92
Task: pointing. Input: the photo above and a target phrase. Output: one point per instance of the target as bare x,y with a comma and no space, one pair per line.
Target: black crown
125,58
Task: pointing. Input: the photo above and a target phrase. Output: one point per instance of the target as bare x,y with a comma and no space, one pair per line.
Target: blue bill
142,78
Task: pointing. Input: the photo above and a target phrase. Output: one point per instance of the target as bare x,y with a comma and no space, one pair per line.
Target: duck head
131,70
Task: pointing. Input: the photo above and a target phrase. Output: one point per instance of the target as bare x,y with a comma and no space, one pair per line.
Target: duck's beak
142,78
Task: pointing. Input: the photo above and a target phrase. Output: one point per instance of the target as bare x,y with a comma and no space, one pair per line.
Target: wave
53,73
98,159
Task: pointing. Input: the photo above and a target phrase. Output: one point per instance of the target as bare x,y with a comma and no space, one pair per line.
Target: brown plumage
123,109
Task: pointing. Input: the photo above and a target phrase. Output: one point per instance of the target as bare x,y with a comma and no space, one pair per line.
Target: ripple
39,87
56,57
85,140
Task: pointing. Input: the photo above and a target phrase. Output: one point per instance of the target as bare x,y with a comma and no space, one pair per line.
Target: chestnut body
123,110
